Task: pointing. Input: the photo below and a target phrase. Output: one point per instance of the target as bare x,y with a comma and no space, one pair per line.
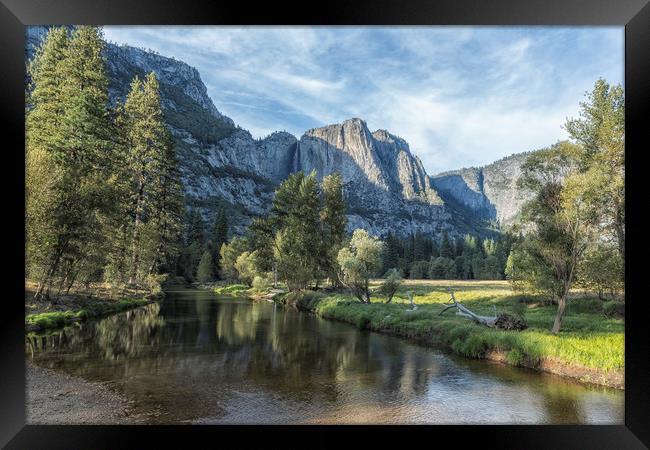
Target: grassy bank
56,319
80,304
590,346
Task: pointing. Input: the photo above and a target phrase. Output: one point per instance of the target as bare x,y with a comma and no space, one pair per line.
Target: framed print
379,215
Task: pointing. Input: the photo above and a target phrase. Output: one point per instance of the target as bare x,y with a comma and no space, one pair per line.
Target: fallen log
463,311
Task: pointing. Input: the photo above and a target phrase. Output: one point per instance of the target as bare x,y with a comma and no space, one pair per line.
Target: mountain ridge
385,185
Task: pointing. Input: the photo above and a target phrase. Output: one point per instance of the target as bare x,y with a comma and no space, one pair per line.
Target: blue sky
461,96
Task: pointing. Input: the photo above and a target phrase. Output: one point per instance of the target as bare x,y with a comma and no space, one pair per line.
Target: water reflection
207,360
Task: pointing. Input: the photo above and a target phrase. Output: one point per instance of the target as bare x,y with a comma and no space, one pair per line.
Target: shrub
614,308
261,283
154,283
390,285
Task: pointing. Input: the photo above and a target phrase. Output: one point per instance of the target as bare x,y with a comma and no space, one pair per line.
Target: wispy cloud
460,96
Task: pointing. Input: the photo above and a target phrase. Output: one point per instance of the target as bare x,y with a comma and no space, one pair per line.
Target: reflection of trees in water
116,336
266,344
190,345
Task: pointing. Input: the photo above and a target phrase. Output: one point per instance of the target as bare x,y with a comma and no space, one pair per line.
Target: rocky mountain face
489,192
385,185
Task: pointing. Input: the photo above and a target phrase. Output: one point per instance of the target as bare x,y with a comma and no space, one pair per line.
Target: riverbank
57,399
78,306
590,347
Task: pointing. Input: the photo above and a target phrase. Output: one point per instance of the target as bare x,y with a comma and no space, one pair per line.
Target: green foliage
233,289
390,285
205,271
218,238
614,308
558,234
419,270
446,248
600,131
333,223
296,220
391,252
245,267
262,283
260,236
69,159
601,270
441,268
359,261
474,258
103,192
228,257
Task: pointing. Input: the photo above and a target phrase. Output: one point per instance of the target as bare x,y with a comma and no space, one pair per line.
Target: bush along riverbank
590,348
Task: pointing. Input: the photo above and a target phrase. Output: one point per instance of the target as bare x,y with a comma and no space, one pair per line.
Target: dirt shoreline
53,398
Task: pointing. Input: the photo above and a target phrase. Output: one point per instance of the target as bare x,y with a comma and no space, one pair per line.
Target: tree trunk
135,256
463,311
275,274
560,312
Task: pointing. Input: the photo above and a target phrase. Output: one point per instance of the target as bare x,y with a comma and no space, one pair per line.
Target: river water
199,358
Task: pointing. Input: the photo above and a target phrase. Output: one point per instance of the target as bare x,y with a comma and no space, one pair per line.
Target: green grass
232,289
61,318
589,338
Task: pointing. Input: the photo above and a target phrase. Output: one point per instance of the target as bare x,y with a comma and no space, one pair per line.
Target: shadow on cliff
450,187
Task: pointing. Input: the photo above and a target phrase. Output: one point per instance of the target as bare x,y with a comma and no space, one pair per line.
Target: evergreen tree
45,108
295,216
459,246
69,80
446,248
155,192
333,221
418,246
391,252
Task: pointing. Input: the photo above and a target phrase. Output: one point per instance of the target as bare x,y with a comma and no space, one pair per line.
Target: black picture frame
633,14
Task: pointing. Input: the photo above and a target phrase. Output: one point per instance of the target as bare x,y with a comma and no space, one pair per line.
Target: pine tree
333,222
45,107
295,219
219,237
391,252
418,246
78,151
153,203
446,248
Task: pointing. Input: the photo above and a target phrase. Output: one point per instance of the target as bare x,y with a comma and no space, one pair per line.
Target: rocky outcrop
489,192
386,187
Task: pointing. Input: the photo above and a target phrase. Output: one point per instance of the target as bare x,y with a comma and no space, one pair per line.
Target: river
199,358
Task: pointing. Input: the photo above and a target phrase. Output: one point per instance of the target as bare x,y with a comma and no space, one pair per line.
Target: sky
460,96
